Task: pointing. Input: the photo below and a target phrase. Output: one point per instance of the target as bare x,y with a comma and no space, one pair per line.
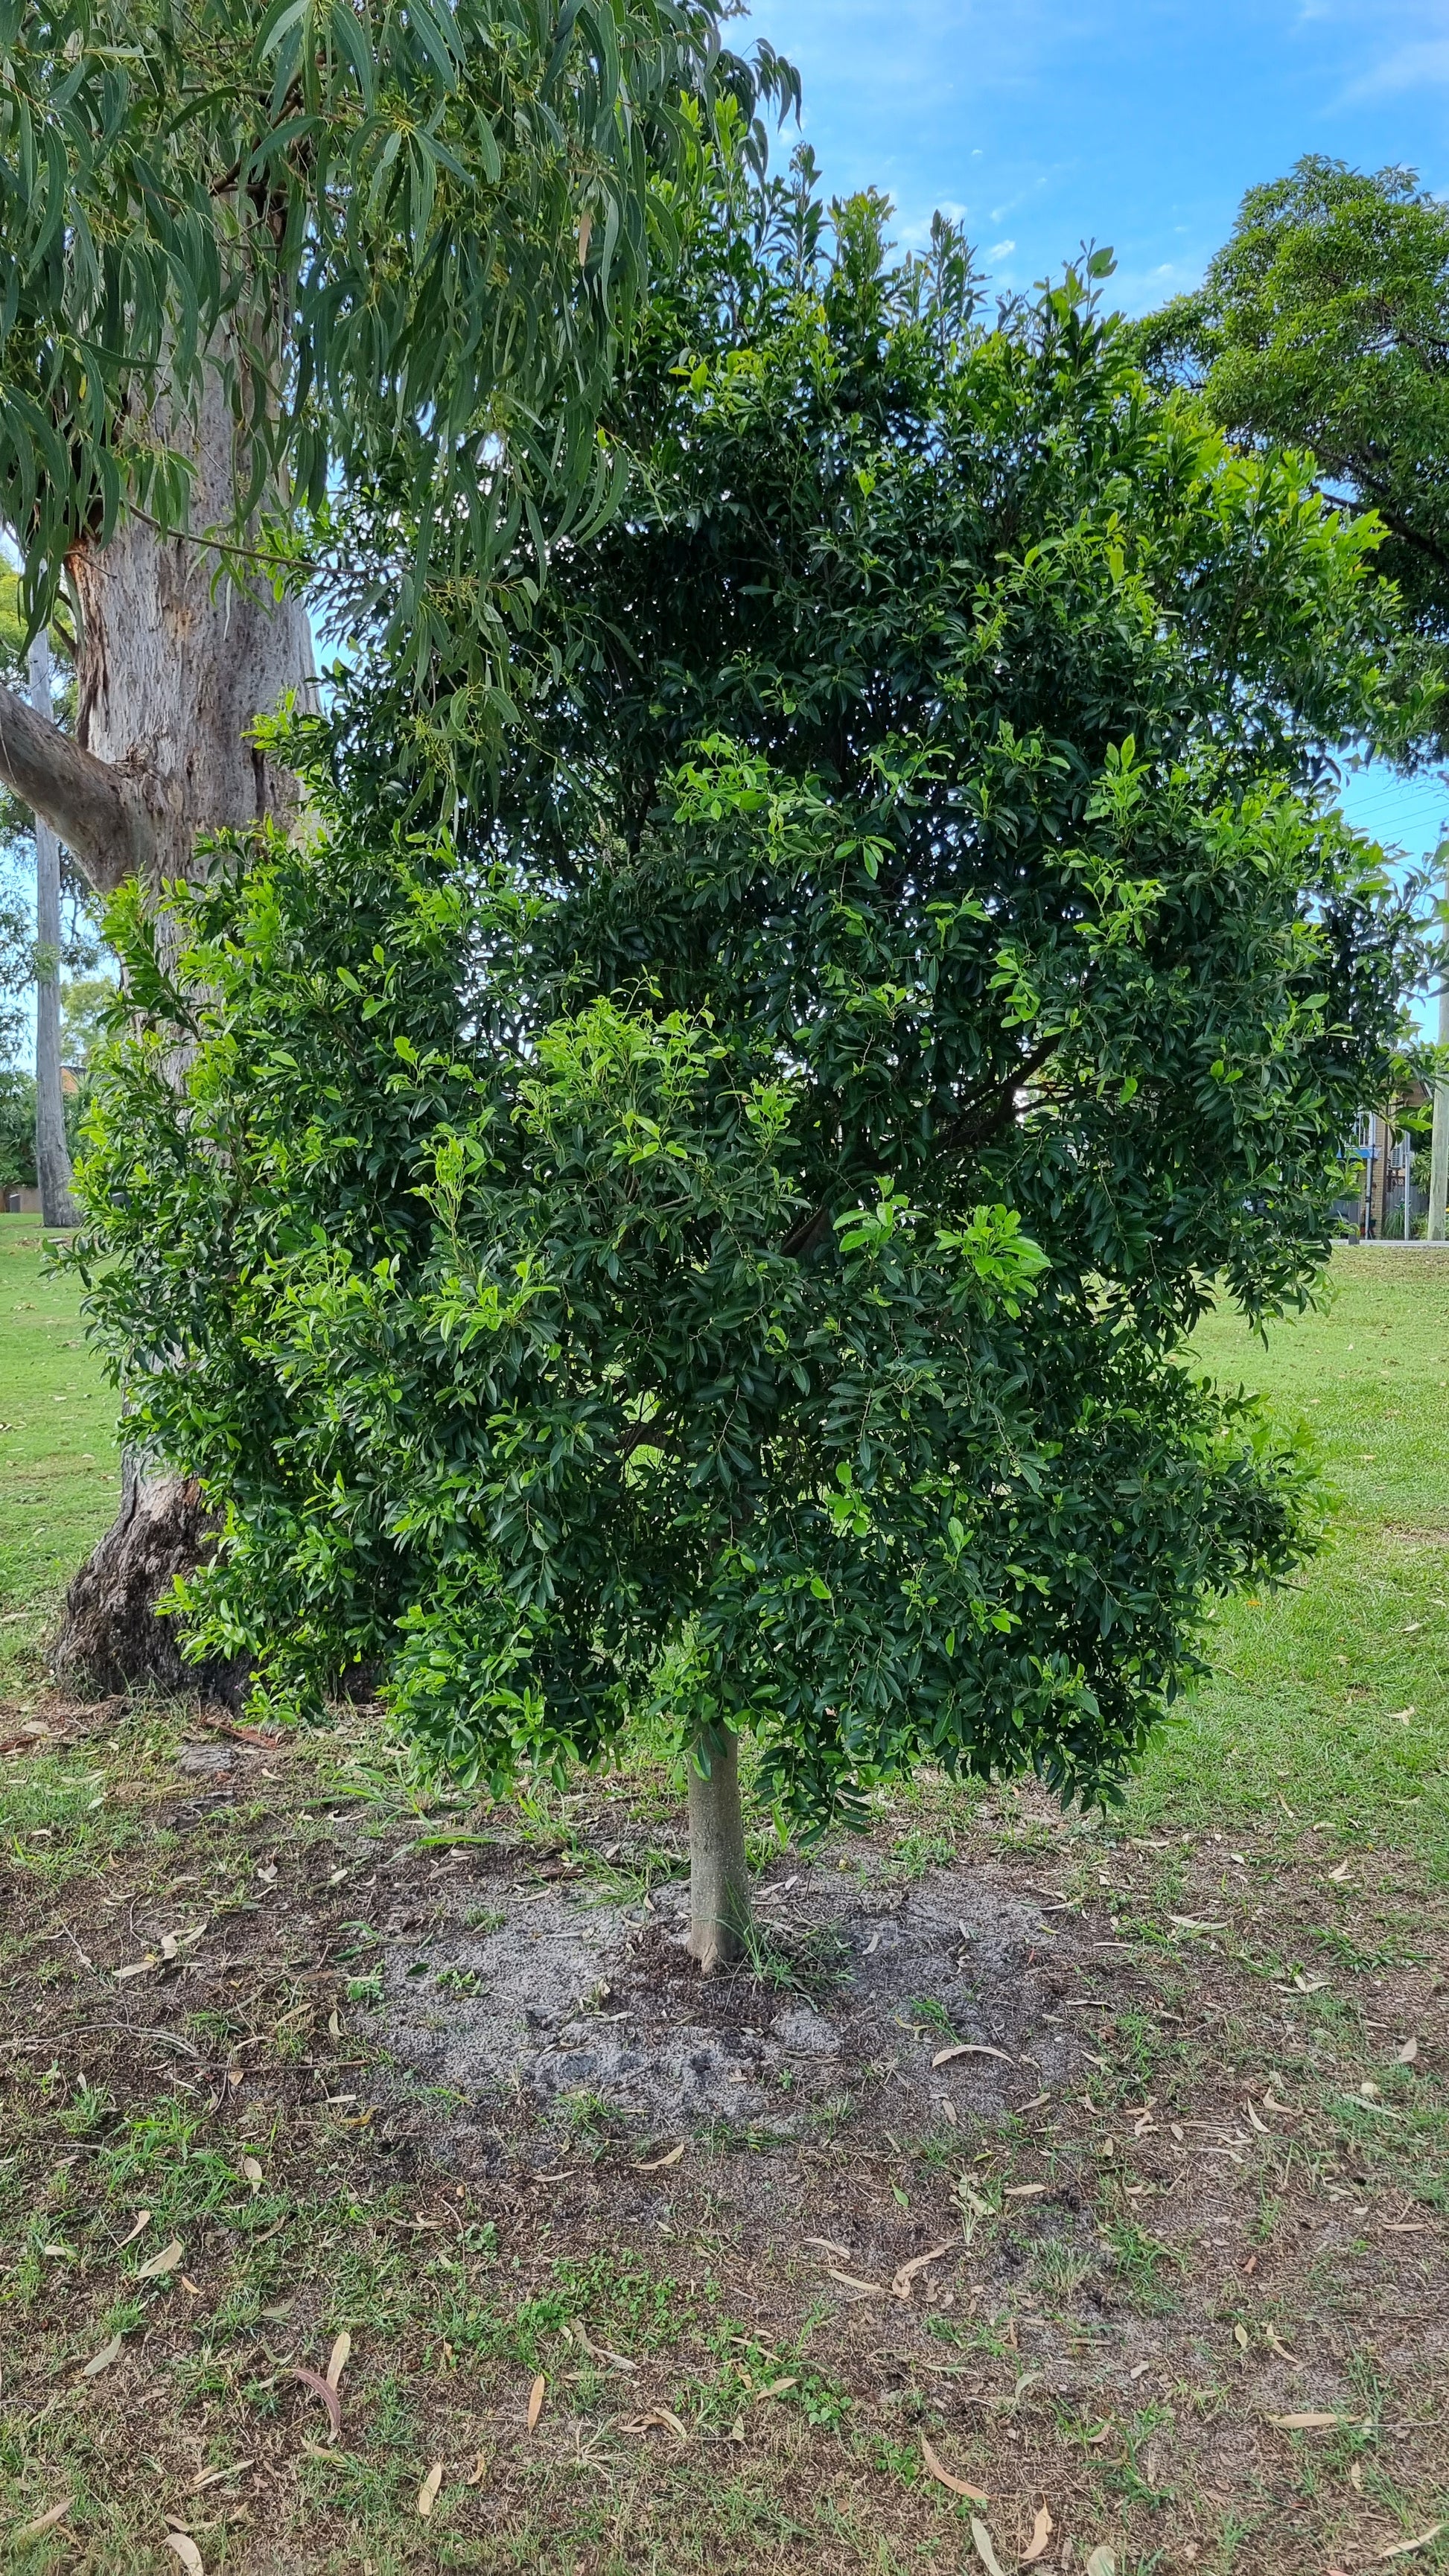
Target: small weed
461,1983
1143,2262
485,1918
916,1853
1058,2270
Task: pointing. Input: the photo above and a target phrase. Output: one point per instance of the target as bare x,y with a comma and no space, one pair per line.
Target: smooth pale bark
719,1878
52,1154
181,646
1439,1142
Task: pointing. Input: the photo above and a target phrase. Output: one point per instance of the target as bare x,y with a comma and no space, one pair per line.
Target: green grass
1331,1696
59,1459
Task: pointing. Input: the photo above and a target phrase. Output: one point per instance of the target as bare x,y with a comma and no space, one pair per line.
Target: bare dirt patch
562,1997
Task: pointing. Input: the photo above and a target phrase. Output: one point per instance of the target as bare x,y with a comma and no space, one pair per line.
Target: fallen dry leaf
1306,2421
186,2550
45,2521
970,2048
661,2417
1255,2122
162,2263
1403,2548
134,1968
478,2471
535,2400
103,2359
213,2477
827,2245
1041,2532
938,2470
984,2550
322,2388
1024,2191
1408,2052
866,2289
660,2162
901,2285
428,2491
1101,2563
252,2173
602,2351
338,2358
142,2222
776,2388
1342,1870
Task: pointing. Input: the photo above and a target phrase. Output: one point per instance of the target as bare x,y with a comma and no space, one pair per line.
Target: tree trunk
52,1154
113,1639
719,1877
174,666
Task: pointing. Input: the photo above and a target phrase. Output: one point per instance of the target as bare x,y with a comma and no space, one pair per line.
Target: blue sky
1137,123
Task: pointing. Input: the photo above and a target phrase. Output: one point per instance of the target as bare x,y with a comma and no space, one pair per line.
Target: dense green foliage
407,237
727,1229
1323,323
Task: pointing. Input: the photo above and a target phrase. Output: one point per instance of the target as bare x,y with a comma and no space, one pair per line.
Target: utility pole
1439,1143
52,1155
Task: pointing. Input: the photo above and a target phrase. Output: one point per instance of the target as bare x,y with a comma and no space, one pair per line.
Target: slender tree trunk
1439,1141
177,657
719,1877
52,1154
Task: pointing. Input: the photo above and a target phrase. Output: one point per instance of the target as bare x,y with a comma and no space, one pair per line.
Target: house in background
23,1199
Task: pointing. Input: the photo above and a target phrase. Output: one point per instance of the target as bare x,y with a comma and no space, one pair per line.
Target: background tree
68,942
1323,323
724,1234
250,254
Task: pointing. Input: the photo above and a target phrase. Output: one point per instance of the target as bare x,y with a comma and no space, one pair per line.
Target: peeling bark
113,1639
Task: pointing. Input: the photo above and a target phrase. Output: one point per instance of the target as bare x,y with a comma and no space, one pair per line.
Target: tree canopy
408,238
1323,323
726,1229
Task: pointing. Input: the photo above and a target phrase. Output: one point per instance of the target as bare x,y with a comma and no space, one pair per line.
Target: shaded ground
1209,2189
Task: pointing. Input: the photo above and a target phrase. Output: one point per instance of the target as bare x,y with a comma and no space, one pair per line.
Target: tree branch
91,806
986,1117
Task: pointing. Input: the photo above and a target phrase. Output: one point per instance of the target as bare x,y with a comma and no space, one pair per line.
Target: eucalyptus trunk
181,647
719,1877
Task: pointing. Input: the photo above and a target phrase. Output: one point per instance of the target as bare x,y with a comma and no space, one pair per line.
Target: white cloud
1000,250
1421,66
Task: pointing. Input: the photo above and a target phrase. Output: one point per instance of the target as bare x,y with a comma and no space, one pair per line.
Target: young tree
726,1235
253,254
1323,323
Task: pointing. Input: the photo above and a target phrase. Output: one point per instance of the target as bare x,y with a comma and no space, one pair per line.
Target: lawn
1152,2266
59,1462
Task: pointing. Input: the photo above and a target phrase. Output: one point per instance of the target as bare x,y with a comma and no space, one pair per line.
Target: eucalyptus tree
253,257
722,1234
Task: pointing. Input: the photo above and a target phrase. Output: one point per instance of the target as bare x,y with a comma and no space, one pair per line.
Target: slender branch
987,1115
91,806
